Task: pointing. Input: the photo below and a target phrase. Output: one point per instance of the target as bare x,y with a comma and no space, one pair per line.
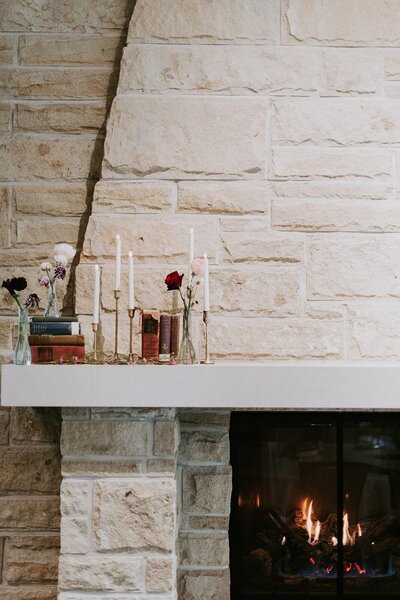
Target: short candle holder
94,329
117,295
207,360
131,315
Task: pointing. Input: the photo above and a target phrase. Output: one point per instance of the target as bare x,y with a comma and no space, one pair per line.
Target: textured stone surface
68,49
5,114
28,592
374,332
101,574
7,47
29,470
134,197
135,515
218,21
66,118
30,513
75,497
201,446
179,138
365,268
53,200
190,418
4,429
207,490
202,550
5,205
30,232
219,69
341,23
351,72
225,197
165,438
41,425
100,468
192,584
104,438
160,574
74,536
30,560
263,247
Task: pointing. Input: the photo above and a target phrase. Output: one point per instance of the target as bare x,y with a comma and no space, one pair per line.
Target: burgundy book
165,338
45,354
175,335
57,340
150,334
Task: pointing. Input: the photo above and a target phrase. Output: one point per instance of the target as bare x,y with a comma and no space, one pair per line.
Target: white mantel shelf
269,385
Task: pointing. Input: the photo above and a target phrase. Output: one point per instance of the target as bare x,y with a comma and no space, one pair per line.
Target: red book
150,334
165,338
45,354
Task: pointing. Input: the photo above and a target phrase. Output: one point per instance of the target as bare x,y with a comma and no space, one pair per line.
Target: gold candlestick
117,294
207,360
131,314
94,329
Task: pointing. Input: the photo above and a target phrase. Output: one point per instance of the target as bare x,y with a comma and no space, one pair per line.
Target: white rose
46,266
60,258
65,250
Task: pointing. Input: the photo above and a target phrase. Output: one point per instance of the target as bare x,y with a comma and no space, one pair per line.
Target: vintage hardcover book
44,354
56,340
150,334
175,335
165,338
55,328
54,319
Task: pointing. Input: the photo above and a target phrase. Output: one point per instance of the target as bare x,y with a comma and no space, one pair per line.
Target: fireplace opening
315,505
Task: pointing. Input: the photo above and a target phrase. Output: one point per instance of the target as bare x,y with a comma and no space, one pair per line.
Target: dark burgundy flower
173,281
15,284
32,301
60,271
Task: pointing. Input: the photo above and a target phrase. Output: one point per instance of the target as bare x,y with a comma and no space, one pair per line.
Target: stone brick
320,163
4,430
29,470
46,592
31,560
207,522
213,585
204,446
165,438
332,190
232,70
392,89
164,238
71,16
164,466
18,512
177,138
75,498
223,197
100,468
101,573
5,113
160,575
104,438
207,490
134,515
351,72
52,200
7,49
374,332
74,536
5,204
259,291
33,231
68,49
392,65
204,419
5,336
262,247
75,414
26,158
366,267
316,121
129,413
56,84
276,338
67,118
341,23
42,425
245,223
221,21
134,197
204,550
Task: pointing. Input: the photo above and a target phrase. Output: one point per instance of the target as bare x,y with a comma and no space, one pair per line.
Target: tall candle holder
207,360
117,295
131,315
94,329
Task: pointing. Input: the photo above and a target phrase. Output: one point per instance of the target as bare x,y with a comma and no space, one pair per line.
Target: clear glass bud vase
22,351
187,352
52,309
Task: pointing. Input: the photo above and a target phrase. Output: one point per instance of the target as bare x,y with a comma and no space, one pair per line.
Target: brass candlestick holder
207,360
94,329
131,315
117,295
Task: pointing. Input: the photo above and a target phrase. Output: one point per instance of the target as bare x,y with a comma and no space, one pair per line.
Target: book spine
175,335
54,319
54,328
57,340
150,334
165,338
44,354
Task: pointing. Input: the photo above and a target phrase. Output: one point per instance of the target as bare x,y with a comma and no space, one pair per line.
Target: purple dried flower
15,284
32,301
60,271
44,281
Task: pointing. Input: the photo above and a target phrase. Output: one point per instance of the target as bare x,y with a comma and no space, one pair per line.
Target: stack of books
56,339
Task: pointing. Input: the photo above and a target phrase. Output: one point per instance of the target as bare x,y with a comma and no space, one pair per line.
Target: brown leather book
165,338
150,334
56,340
175,334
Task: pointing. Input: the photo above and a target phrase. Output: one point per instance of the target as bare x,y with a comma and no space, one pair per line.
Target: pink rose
197,266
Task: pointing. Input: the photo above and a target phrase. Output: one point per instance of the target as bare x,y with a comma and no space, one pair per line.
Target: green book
54,319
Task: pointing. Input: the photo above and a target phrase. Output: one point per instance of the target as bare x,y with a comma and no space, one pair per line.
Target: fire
258,501
313,526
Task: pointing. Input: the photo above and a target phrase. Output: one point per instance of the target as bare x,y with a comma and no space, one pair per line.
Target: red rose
173,281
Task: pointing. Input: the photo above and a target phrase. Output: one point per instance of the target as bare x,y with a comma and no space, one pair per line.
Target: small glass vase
52,309
187,352
22,351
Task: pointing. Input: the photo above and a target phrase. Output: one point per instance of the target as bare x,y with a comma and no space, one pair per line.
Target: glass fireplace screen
315,505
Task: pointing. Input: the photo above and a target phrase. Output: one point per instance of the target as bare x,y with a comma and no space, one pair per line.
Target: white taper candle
118,263
131,296
96,298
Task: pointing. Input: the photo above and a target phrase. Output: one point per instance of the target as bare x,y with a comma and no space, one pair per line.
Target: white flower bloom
65,250
60,258
46,266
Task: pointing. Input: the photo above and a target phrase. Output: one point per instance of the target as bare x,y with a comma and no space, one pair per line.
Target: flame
359,530
283,542
317,532
258,502
313,527
346,530
240,500
334,540
309,522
